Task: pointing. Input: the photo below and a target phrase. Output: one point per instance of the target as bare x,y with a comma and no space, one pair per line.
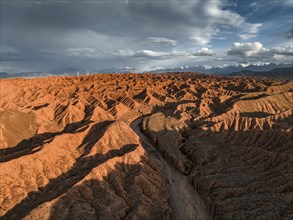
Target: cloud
145,54
288,3
255,52
215,19
204,52
111,34
196,20
246,49
247,36
288,50
251,31
124,53
88,52
161,41
164,55
254,4
153,54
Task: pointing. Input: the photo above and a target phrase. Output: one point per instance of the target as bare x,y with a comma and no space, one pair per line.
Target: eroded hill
72,147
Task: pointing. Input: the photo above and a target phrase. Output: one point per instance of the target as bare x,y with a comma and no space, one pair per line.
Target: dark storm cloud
98,34
64,16
69,14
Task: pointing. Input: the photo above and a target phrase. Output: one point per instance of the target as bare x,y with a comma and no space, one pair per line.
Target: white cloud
255,52
161,41
288,50
246,49
125,53
150,53
240,53
204,52
228,18
247,36
251,31
253,4
201,40
164,54
196,20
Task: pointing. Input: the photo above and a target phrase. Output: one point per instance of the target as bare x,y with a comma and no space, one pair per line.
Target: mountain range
276,72
272,69
226,69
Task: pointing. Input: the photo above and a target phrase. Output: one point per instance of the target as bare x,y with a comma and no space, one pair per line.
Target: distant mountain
226,70
24,75
60,72
68,71
277,72
117,70
4,75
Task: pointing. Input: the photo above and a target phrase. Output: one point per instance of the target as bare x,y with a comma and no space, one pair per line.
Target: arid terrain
146,146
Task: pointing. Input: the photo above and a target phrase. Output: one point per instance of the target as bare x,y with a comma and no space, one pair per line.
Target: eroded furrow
186,203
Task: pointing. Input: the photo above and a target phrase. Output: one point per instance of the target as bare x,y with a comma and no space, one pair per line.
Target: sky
46,35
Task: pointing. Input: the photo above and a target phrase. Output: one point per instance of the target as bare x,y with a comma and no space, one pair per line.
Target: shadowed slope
64,182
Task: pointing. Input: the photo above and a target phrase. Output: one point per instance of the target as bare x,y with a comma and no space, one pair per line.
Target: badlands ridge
146,146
